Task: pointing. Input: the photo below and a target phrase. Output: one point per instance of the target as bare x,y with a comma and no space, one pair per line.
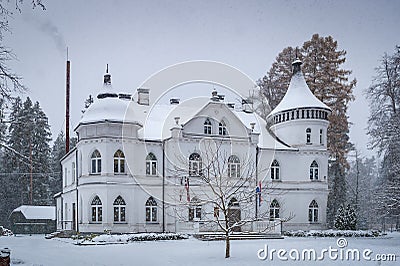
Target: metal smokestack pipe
67,107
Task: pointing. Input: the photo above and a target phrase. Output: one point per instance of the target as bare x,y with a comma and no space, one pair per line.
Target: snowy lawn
35,250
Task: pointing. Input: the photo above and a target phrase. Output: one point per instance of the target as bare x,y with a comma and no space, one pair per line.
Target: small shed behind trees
28,219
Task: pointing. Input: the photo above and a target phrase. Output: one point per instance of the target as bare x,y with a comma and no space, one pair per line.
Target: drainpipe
163,186
76,183
257,152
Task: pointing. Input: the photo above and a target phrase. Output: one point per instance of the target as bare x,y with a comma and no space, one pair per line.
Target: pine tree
330,83
346,218
41,153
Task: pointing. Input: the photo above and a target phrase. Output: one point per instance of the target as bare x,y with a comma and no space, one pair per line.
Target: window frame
151,164
119,162
151,210
96,210
313,212
119,210
195,164
314,171
207,126
308,136
95,163
275,170
274,210
222,130
234,166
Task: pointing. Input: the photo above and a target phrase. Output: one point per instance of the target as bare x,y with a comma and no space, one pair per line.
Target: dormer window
207,127
308,135
222,128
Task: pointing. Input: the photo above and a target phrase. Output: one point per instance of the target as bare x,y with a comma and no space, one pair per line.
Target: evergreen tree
41,151
322,68
58,151
346,218
13,164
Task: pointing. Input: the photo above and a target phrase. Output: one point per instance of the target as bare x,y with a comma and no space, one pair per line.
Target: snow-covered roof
161,119
298,95
37,212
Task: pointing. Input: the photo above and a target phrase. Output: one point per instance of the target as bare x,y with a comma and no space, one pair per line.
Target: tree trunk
227,246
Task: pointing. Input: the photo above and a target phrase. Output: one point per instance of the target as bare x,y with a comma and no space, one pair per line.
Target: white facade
129,169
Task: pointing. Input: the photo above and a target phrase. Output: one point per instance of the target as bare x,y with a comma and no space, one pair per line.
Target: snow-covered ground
35,250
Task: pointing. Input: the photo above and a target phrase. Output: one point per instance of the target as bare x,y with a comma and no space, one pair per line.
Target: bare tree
220,191
9,81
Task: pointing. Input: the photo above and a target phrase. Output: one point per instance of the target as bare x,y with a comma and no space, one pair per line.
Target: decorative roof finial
107,77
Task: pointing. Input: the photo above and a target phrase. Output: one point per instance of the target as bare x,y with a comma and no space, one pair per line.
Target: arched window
274,210
275,170
308,135
119,162
151,210
222,128
233,166
194,210
151,164
97,210
314,171
313,212
207,127
195,165
119,209
96,162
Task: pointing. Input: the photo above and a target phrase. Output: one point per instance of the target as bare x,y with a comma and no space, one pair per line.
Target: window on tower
314,171
313,212
308,135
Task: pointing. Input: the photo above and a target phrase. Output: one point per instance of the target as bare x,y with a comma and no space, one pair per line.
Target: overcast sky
139,38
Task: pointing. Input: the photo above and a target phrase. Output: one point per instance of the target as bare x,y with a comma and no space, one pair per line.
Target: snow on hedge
334,233
5,231
125,238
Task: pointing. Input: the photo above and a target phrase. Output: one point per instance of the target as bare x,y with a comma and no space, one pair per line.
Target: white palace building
139,167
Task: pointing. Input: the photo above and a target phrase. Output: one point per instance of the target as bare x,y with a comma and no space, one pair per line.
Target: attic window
207,127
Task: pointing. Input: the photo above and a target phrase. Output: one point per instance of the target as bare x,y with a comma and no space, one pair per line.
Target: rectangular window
116,214
94,166
148,213
94,214
316,174
198,213
122,166
154,214
191,214
116,170
98,165
153,168
100,214
73,172
122,214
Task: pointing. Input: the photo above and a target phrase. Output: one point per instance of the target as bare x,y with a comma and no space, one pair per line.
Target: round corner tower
300,119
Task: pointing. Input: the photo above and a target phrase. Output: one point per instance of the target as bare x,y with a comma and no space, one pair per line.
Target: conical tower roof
298,94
